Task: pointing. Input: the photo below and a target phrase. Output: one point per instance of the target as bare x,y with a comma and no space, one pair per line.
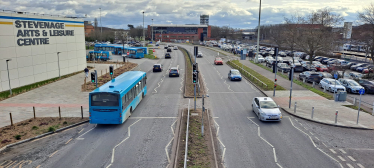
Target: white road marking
349,165
150,117
360,165
324,144
79,138
172,130
315,144
316,138
166,150
333,151
342,151
113,150
353,159
311,133
341,158
80,131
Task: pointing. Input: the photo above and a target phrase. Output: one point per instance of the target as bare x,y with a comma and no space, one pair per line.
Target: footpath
324,109
65,93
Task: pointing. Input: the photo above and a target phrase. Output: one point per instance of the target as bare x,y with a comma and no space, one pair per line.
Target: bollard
282,71
324,89
101,72
82,111
336,117
303,80
295,107
11,119
373,110
354,101
59,112
312,112
314,84
34,111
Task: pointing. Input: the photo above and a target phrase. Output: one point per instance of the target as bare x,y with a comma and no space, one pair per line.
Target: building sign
347,34
27,35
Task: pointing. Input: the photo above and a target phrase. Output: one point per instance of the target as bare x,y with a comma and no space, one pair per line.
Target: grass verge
150,55
90,47
16,91
33,127
268,82
356,108
189,89
321,93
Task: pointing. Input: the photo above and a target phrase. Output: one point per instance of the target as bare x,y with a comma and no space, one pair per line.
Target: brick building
170,33
88,28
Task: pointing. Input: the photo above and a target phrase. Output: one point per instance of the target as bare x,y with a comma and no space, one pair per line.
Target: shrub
65,122
51,129
18,137
35,128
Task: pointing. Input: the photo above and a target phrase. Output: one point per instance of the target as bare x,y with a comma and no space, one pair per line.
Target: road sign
154,50
128,53
336,76
362,91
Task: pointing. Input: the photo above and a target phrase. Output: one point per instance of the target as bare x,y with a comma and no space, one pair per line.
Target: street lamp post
258,33
7,68
143,31
58,62
101,27
152,30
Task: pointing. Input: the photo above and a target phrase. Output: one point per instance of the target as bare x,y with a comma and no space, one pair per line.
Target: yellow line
68,141
19,163
8,23
53,153
74,25
80,131
38,166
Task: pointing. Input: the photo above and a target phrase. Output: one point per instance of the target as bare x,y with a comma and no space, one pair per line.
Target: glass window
104,99
268,104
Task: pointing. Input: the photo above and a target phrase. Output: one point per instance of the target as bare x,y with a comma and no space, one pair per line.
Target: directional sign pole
362,91
96,78
275,67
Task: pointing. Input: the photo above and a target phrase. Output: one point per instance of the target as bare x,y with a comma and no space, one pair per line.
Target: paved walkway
324,109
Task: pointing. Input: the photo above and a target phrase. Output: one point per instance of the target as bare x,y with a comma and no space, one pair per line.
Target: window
104,99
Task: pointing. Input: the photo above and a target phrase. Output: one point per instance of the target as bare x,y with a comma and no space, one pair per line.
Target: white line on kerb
114,149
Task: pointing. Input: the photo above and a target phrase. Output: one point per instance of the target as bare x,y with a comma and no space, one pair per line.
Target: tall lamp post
58,62
258,33
143,31
101,28
152,30
7,68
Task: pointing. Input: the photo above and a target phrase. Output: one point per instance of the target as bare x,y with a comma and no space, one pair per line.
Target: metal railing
243,71
188,123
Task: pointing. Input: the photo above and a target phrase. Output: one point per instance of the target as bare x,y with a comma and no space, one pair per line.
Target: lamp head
9,60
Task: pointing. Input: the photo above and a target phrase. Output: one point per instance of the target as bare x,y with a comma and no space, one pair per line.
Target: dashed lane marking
311,133
38,166
333,151
53,153
341,150
80,131
353,159
68,141
349,165
341,158
360,165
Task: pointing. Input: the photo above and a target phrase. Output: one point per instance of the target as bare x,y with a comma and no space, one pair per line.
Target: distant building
170,33
88,28
204,19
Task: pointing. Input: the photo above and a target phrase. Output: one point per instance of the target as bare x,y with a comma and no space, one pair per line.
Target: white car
199,54
175,48
266,109
261,58
331,85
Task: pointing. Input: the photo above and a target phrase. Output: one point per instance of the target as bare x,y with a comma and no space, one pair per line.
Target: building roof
176,25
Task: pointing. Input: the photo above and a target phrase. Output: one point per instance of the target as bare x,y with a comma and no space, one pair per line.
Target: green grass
356,108
321,93
149,45
150,55
89,47
268,82
23,89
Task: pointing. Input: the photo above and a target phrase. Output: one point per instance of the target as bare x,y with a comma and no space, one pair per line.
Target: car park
310,76
351,85
174,72
199,54
321,68
266,109
234,74
368,85
324,75
283,67
167,55
331,85
218,61
157,68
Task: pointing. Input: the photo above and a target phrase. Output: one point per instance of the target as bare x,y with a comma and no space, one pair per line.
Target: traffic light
194,67
195,50
93,78
194,77
111,70
274,67
290,75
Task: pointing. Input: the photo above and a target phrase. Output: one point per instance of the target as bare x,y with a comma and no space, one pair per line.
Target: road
247,142
139,142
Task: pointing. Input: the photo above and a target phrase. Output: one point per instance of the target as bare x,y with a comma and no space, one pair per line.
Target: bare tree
366,34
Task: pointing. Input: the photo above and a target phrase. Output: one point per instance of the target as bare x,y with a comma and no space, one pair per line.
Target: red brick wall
209,32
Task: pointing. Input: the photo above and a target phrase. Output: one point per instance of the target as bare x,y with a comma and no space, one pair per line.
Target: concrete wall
35,63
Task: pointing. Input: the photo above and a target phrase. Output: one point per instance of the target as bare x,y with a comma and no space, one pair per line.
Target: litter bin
124,58
341,96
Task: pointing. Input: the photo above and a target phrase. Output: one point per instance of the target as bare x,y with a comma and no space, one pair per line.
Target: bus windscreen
104,99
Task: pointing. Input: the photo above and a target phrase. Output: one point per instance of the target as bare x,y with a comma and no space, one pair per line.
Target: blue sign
336,76
362,91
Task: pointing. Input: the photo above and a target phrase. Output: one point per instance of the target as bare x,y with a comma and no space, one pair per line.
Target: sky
241,14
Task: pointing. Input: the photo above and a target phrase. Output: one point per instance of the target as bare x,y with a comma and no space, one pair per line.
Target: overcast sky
233,13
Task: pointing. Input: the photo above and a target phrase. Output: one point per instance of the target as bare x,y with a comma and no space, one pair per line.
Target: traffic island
202,150
31,128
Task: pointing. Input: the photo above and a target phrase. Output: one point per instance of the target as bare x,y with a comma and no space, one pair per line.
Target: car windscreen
353,83
173,71
333,82
235,72
104,99
268,104
156,66
284,66
314,74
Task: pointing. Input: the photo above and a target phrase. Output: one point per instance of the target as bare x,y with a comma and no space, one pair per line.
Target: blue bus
99,55
135,52
115,101
118,49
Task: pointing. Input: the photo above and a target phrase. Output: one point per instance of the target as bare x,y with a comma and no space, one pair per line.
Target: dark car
174,72
283,67
349,65
324,61
157,68
368,85
166,47
168,50
354,67
324,75
167,55
310,76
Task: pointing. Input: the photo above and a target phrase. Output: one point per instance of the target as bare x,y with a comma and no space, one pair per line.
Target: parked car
331,85
354,67
174,72
355,75
199,54
260,58
283,67
297,66
331,61
368,85
167,55
218,61
350,64
268,58
266,109
351,85
310,76
324,61
282,54
361,68
321,68
308,67
234,74
157,68
369,68
288,62
324,75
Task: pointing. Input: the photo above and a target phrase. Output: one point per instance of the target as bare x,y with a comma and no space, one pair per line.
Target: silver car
351,85
266,109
